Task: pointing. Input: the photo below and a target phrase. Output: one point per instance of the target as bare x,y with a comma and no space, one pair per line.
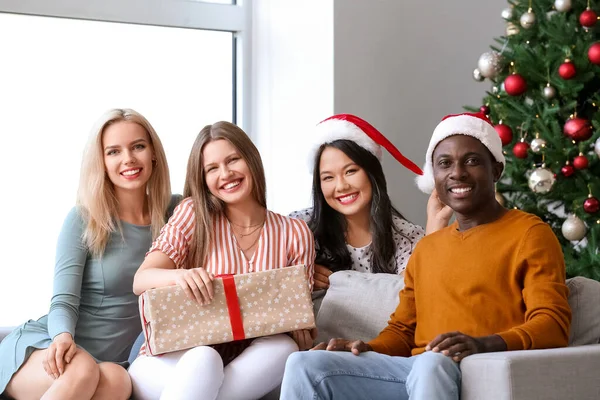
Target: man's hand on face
458,345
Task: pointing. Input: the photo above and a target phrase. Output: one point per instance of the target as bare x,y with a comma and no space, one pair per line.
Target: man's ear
497,169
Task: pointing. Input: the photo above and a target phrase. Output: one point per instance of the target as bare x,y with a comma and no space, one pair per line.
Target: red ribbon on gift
233,306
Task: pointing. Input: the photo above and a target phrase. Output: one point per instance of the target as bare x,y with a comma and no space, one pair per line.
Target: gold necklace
249,233
249,247
245,226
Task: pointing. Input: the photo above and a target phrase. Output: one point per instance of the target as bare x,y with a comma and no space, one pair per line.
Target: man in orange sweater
494,280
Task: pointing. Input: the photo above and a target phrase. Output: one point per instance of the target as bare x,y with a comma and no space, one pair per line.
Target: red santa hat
351,127
476,125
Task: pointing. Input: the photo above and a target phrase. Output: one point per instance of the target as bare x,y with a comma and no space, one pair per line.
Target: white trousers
198,373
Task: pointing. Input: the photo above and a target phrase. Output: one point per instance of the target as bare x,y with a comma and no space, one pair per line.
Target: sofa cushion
357,305
584,299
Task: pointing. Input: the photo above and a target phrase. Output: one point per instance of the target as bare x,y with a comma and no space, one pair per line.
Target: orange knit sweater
506,277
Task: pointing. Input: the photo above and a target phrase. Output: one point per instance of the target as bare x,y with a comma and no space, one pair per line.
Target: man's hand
58,354
321,277
354,346
458,345
438,214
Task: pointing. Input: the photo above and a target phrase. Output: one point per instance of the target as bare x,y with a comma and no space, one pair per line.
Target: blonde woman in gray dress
79,350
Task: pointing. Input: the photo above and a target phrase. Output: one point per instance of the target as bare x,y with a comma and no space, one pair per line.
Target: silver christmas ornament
508,13
537,145
527,19
549,92
477,75
490,64
511,29
562,5
597,147
541,180
573,228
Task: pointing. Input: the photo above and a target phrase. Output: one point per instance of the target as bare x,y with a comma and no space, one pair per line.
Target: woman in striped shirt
222,227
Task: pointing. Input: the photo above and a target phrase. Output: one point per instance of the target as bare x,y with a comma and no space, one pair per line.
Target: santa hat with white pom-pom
476,125
351,127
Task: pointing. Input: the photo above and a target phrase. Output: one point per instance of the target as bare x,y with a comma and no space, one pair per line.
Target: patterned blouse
405,241
283,242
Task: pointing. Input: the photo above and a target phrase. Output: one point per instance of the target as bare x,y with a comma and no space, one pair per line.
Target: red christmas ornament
567,171
591,205
578,129
567,70
485,110
594,53
505,133
580,162
588,18
515,85
520,150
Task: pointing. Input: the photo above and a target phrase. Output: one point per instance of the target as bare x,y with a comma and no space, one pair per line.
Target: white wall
404,64
292,45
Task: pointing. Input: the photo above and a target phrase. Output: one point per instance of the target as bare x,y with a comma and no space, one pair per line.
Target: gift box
244,306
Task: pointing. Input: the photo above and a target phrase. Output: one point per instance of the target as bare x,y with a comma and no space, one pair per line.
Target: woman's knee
202,357
281,344
83,369
114,382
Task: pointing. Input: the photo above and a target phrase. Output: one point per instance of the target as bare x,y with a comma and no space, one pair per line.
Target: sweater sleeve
71,257
545,294
398,338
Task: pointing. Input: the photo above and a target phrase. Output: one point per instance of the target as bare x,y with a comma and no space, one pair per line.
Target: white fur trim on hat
335,129
461,124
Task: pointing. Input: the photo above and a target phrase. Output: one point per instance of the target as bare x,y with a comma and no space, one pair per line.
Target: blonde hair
96,198
206,205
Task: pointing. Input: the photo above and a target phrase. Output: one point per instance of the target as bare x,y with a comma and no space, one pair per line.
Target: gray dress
92,298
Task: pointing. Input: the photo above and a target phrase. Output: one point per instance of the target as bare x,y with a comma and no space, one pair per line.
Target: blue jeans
342,375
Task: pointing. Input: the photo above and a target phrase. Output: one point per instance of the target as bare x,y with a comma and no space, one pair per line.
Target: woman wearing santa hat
353,220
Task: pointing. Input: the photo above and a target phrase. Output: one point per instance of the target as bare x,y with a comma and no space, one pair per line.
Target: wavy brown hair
96,200
206,205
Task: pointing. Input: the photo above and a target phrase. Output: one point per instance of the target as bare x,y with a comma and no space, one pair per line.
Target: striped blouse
283,242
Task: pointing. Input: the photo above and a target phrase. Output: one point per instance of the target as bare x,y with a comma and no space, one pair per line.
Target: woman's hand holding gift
197,283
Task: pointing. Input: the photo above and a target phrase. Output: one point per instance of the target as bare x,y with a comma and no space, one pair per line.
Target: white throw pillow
357,305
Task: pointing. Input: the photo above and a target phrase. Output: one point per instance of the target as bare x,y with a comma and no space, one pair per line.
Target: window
58,76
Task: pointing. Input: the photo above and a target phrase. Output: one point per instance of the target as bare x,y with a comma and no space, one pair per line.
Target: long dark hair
329,226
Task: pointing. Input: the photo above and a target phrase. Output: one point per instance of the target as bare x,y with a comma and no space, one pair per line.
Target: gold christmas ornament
511,29
573,228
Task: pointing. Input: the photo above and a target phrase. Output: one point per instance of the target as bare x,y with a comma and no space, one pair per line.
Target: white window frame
192,14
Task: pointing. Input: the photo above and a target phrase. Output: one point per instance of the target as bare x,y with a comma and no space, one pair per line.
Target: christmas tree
544,98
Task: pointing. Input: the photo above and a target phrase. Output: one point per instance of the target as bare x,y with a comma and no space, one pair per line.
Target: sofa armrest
5,330
566,373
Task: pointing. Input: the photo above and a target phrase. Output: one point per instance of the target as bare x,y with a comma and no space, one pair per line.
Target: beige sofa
358,305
